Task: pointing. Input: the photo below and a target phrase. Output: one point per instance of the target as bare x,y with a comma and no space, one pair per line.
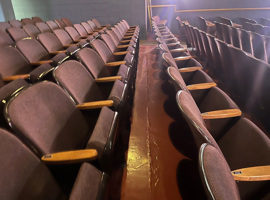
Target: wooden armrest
178,50
95,104
170,39
41,62
125,41
108,79
219,114
68,157
69,45
57,52
121,53
129,34
260,173
127,37
237,25
190,69
15,77
201,86
112,64
122,46
173,44
182,58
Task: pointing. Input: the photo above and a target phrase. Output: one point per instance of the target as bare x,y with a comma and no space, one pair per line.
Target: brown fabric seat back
115,30
92,24
96,23
5,40
53,26
4,26
178,81
49,121
87,27
37,19
113,35
102,49
206,47
16,23
215,52
17,33
234,37
77,81
63,36
226,33
219,31
67,22
93,62
50,42
217,179
27,21
226,21
258,48
12,62
31,30
32,50
73,33
31,180
109,42
60,23
43,28
195,121
245,43
80,29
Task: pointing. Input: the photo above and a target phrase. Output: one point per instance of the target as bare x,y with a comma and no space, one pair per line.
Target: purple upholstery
43,28
16,23
53,26
17,33
31,30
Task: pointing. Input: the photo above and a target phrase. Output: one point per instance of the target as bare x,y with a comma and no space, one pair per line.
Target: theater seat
43,28
17,33
5,40
31,30
22,183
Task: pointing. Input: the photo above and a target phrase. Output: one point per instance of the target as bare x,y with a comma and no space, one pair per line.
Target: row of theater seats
236,69
249,40
225,139
68,112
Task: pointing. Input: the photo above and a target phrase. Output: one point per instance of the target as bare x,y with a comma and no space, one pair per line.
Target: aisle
154,164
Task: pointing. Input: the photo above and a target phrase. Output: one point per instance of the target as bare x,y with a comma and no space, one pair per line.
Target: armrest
57,52
108,79
190,69
237,25
201,86
95,104
182,58
41,62
173,44
170,39
122,46
113,64
127,37
69,45
68,157
260,173
125,41
12,78
121,53
129,34
178,50
219,114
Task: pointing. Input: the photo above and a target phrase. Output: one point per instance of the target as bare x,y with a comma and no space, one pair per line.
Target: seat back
234,36
5,40
73,33
74,78
258,28
219,31
96,22
109,42
16,23
93,62
226,33
43,28
214,52
265,22
13,62
53,26
245,42
80,29
4,26
115,30
226,21
217,180
23,170
103,50
50,42
258,48
60,23
192,115
67,22
63,36
37,19
114,37
27,21
46,130
31,30
32,50
200,43
17,33
202,23
207,47
87,27
267,48
92,24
